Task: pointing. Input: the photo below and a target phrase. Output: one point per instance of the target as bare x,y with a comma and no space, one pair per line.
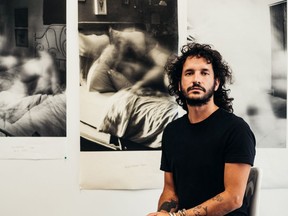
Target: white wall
51,187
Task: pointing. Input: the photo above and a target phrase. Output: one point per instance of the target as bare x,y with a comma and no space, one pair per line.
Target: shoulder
238,128
177,122
174,127
234,125
232,119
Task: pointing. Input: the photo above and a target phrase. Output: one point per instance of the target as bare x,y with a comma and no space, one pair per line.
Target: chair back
252,193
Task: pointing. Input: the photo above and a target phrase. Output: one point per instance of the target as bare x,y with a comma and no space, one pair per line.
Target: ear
179,86
217,83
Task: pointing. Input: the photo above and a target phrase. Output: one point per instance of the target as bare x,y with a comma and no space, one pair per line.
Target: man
206,154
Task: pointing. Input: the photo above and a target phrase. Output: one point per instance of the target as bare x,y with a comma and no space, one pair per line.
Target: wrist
174,214
181,213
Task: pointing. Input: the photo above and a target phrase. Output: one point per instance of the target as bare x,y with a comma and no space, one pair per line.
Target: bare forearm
213,207
219,205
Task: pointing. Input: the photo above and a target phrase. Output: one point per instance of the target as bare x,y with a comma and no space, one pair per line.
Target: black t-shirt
196,155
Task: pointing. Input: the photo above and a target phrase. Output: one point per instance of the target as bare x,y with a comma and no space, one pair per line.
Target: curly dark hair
222,72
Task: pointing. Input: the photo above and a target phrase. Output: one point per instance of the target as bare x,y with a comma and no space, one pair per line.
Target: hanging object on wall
125,2
21,17
21,27
21,37
162,3
126,152
54,12
100,7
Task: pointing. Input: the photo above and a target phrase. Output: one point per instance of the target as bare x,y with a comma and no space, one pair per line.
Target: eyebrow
192,70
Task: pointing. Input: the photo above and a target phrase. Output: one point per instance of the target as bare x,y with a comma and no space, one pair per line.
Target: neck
199,113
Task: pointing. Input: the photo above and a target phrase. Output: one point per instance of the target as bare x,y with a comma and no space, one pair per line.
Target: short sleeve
241,144
166,155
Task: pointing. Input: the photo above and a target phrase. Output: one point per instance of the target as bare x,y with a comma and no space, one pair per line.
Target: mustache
196,85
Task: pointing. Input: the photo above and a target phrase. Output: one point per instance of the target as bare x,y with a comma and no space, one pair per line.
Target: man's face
197,81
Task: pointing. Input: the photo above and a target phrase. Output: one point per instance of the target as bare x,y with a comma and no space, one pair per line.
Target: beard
199,101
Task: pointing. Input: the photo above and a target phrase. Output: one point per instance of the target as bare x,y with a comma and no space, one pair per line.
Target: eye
204,73
189,73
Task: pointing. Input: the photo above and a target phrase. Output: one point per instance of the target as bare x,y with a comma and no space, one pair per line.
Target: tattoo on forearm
203,210
218,198
167,206
200,210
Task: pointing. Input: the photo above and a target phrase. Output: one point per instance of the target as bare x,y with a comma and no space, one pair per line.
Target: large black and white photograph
259,85
33,68
124,100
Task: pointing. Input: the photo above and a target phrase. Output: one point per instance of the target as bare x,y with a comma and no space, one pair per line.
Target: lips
197,88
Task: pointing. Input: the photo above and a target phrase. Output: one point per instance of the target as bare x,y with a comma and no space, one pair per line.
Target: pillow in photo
92,45
98,78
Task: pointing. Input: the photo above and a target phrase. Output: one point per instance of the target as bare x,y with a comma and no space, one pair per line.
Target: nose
196,83
196,78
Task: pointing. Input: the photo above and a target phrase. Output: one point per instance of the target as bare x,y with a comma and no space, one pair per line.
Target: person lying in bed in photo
46,117
35,76
131,59
34,91
131,67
